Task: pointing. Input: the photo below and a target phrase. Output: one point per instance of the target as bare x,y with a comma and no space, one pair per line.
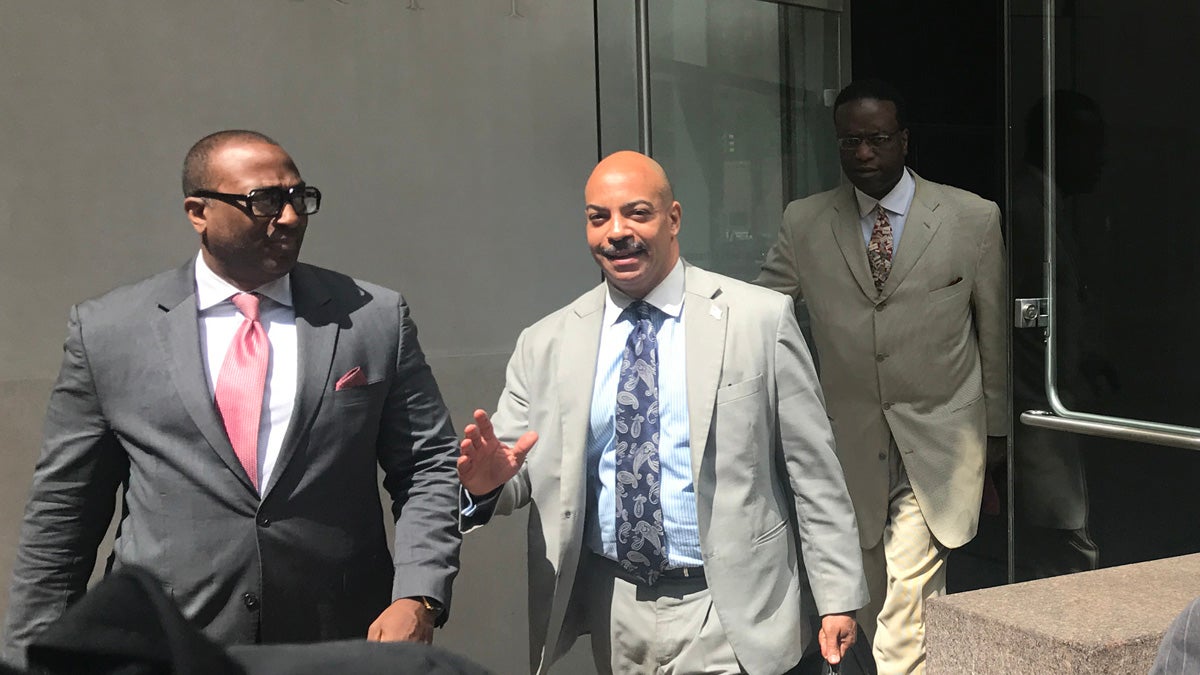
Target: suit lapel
576,374
847,229
705,319
317,322
919,227
178,334
574,377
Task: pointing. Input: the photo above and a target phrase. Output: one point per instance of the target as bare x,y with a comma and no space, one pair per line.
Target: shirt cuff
469,507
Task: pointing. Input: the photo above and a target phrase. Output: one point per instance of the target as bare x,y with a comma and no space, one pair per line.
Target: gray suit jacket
1179,651
309,560
768,486
925,361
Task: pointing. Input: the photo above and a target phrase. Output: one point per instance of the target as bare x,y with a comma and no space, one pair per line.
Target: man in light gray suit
905,283
674,508
243,403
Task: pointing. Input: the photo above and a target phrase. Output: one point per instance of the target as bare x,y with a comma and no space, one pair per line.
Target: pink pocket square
354,378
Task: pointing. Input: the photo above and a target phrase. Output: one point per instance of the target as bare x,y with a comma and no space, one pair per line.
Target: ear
904,142
675,215
195,207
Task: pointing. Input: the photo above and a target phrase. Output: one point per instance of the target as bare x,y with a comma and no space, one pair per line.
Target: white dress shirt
219,321
677,494
896,203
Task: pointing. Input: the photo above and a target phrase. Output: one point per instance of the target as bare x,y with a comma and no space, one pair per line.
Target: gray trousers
668,629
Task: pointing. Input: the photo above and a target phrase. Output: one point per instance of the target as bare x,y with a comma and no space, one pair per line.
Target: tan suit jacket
924,361
768,486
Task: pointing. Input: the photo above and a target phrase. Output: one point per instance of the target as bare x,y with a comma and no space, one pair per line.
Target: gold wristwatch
431,605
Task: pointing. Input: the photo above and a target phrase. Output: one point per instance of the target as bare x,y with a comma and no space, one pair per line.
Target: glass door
1101,226
734,98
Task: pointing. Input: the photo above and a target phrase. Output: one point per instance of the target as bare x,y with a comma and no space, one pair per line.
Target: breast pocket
739,390
358,396
957,287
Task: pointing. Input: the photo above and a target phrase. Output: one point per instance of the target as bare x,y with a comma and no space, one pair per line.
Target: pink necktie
880,248
241,384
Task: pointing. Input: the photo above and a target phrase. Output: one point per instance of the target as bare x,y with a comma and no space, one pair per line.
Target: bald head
632,222
627,163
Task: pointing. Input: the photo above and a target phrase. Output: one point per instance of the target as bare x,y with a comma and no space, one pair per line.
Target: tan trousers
905,569
670,629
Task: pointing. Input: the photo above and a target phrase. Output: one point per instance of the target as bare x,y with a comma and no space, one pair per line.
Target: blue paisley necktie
641,546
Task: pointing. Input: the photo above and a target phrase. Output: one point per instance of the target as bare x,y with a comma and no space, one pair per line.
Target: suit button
887,405
880,357
264,522
883,455
566,515
880,307
250,600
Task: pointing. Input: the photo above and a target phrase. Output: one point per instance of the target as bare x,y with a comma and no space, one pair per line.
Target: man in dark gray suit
243,402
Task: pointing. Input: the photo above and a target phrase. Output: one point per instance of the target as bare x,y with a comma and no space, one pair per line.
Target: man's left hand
838,632
405,620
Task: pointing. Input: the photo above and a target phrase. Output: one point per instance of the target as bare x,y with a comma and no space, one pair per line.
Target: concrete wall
451,144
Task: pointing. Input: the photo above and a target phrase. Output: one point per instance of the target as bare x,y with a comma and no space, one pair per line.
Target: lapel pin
715,311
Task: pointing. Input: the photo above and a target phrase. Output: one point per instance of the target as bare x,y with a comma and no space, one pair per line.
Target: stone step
1108,621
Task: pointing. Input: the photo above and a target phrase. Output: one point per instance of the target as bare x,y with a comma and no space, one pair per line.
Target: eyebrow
624,206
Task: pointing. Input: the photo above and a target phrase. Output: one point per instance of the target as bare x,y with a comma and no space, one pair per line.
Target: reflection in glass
1050,487
740,121
1126,239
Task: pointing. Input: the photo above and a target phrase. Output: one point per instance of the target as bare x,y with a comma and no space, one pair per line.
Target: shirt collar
896,201
667,297
212,290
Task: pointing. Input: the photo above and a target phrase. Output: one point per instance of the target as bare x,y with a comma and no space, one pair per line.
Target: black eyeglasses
874,140
268,202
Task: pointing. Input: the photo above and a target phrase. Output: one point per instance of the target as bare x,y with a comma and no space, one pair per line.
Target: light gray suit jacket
925,361
768,486
309,560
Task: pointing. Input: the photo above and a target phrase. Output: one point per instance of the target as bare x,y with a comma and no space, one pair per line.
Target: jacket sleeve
824,513
989,300
417,449
779,271
71,503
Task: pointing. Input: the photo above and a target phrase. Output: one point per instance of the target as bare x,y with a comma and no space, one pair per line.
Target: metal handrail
1048,420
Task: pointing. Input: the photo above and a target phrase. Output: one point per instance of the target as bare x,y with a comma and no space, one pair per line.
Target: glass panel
617,76
1122,134
740,121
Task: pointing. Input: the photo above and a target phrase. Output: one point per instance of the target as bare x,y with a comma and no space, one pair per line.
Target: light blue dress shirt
678,494
896,203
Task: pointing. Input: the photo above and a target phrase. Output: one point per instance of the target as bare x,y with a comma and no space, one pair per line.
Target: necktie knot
642,310
247,304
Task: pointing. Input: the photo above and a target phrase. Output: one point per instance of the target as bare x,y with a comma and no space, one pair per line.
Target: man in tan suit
670,501
904,281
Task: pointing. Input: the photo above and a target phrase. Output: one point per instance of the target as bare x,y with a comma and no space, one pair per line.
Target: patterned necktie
641,546
241,384
880,248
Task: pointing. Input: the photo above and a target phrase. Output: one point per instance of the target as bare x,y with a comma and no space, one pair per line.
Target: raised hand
485,463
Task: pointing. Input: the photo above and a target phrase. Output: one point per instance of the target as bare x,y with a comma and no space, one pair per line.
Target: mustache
626,246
